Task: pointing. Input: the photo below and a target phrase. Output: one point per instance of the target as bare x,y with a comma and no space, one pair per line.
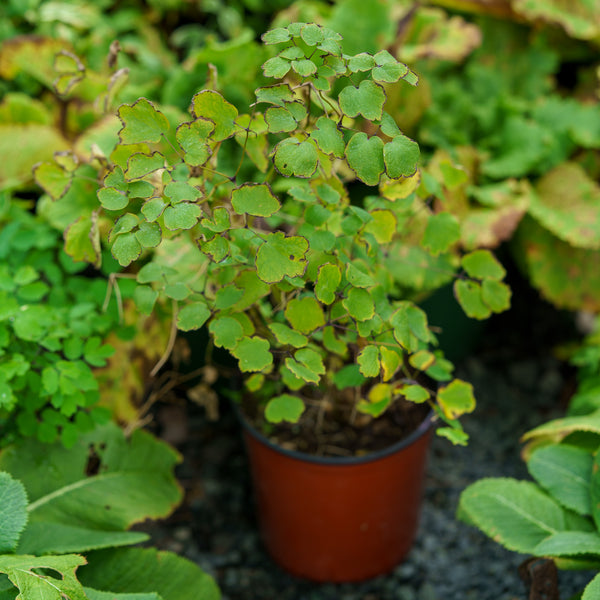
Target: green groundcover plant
557,515
66,535
248,224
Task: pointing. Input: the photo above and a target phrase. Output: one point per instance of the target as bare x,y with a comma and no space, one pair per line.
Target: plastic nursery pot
338,519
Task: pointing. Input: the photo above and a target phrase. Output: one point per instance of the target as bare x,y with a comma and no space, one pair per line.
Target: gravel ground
516,390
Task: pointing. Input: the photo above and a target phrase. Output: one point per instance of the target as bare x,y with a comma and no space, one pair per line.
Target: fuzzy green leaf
565,472
516,514
401,157
304,314
253,354
367,100
255,199
13,511
280,256
295,158
142,122
365,157
284,408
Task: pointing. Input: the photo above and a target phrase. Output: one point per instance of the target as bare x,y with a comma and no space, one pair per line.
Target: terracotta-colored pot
338,519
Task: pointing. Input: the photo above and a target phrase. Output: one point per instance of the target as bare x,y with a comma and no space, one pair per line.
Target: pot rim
420,431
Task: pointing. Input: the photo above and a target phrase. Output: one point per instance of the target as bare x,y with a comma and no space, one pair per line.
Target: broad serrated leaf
25,573
401,157
368,361
456,398
210,105
253,354
441,233
280,256
226,332
142,122
516,514
328,280
304,314
592,589
365,157
287,336
359,304
255,199
284,408
13,511
569,543
367,100
295,158
565,472
192,316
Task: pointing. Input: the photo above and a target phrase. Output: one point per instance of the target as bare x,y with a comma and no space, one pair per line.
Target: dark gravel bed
216,525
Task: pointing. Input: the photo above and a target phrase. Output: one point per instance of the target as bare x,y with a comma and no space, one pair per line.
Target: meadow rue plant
251,225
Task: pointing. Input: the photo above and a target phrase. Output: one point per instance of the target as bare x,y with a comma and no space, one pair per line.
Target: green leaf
409,320
226,332
280,256
288,337
592,589
192,316
388,69
365,157
368,360
145,298
276,67
565,472
278,94
361,62
112,198
415,393
441,233
304,67
312,34
153,209
53,179
24,573
146,570
142,122
482,264
328,280
390,362
177,291
13,512
469,296
210,105
328,137
276,36
179,191
359,304
357,277
192,137
82,241
183,215
149,235
96,353
126,248
280,120
304,314
456,398
295,158
217,248
595,490
333,344
383,226
401,157
367,100
253,354
516,514
140,165
284,408
307,365
255,199
220,220
569,543
496,295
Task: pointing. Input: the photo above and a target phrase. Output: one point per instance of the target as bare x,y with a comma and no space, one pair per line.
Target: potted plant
271,230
